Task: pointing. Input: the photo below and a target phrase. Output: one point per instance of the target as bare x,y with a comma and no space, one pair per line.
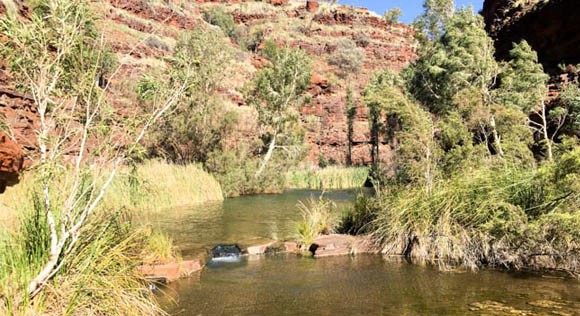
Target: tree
350,115
459,71
415,144
277,90
523,87
434,18
392,16
218,17
58,57
199,123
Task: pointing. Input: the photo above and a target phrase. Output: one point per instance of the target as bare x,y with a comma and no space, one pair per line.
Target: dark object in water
226,253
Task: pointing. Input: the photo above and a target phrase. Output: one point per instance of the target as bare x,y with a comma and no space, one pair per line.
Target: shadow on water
362,285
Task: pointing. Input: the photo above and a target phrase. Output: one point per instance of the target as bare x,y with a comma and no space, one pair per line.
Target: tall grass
318,218
156,185
500,216
329,178
97,278
159,249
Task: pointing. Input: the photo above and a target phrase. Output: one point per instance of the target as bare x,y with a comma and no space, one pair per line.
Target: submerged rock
263,249
226,253
172,271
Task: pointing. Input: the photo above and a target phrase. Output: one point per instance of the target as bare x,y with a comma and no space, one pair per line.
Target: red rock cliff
550,27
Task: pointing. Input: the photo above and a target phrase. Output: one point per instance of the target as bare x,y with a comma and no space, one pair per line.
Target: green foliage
329,178
318,218
253,40
277,92
279,86
392,113
218,17
99,276
357,219
348,57
75,53
483,217
434,18
159,249
200,123
462,60
570,99
523,82
392,16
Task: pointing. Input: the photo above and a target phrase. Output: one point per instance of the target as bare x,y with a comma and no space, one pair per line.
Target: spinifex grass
330,178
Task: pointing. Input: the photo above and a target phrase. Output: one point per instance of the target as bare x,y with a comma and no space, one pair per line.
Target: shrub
318,218
348,57
218,17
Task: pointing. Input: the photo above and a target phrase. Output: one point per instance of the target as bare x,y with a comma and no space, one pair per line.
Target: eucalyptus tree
199,122
58,57
277,92
392,112
458,71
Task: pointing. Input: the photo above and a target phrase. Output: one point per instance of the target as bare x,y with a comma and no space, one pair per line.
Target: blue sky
410,8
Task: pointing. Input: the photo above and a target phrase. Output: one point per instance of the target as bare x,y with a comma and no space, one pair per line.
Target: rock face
11,161
310,25
550,27
312,6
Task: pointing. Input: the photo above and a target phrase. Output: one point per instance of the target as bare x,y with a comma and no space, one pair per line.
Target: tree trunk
545,132
496,137
268,156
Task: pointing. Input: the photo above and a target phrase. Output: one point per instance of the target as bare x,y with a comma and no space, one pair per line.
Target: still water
362,285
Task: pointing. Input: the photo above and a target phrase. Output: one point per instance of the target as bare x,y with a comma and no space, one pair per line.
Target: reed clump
156,185
159,249
329,178
318,218
503,216
97,278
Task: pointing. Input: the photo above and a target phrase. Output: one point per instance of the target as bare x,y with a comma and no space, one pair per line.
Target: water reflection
362,285
246,221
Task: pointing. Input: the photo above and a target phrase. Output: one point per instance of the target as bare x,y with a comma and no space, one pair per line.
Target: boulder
332,245
291,247
312,6
11,162
261,249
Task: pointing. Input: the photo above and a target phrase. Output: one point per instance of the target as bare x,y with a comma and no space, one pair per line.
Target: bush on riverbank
499,216
486,171
329,178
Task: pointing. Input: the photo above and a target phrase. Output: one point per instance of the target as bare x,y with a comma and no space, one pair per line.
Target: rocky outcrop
144,34
550,27
11,162
342,245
